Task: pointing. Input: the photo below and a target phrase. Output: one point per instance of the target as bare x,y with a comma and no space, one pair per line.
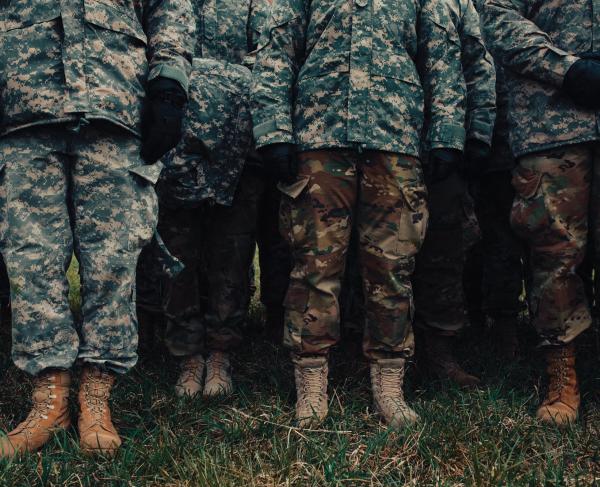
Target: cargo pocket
291,223
529,213
413,219
143,213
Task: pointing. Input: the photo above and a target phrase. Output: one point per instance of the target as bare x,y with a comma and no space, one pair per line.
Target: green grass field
486,437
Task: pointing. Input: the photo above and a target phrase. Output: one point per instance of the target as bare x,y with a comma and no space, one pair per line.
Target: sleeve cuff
273,131
480,130
166,71
446,136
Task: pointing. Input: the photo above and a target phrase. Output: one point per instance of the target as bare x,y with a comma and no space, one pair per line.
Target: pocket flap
526,182
295,189
22,14
397,66
112,18
149,172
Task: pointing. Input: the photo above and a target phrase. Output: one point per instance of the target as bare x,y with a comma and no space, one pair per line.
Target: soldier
439,299
73,78
553,75
216,236
338,111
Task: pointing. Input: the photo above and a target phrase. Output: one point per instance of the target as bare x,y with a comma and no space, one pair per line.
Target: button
362,3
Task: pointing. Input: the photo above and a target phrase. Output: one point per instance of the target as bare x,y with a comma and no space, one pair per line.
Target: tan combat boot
311,390
387,383
96,431
561,405
218,375
190,380
50,412
442,362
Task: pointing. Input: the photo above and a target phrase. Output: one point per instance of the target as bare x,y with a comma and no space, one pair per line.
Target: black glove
442,164
163,115
476,158
280,161
582,82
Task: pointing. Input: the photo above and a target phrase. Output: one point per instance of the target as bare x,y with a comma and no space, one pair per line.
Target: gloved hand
582,82
280,161
476,158
163,116
442,164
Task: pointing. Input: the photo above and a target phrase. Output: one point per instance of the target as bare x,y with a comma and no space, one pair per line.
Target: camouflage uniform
215,234
338,79
438,276
555,141
72,78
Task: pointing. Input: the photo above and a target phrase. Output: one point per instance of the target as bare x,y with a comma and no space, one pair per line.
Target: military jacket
228,30
64,59
450,36
537,42
217,129
342,73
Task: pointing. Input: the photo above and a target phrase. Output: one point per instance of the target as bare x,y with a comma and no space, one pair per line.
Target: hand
476,158
163,116
442,164
280,162
582,82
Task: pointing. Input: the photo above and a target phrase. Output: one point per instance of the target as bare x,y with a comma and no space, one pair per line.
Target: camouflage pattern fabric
451,40
342,74
60,59
555,190
83,189
217,243
383,195
437,280
216,139
537,42
503,251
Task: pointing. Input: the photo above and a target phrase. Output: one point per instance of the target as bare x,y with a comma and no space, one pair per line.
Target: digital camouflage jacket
342,73
64,59
537,42
217,130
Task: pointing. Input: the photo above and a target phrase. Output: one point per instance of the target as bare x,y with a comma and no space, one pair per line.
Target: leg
181,230
115,214
275,260
551,213
37,246
391,219
228,255
316,219
317,224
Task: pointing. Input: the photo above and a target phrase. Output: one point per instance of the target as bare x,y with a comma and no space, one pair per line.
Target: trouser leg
316,219
438,275
550,213
115,212
392,219
36,242
228,253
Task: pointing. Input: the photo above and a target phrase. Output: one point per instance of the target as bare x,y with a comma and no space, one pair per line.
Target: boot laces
559,372
391,383
96,393
40,409
189,371
312,380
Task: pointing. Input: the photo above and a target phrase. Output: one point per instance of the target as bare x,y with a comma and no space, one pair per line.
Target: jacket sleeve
280,55
170,28
480,78
520,45
442,77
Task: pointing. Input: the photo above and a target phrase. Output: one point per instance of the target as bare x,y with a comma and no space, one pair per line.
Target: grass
485,437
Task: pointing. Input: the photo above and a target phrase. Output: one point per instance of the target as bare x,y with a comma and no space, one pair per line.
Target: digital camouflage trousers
384,197
79,189
557,202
